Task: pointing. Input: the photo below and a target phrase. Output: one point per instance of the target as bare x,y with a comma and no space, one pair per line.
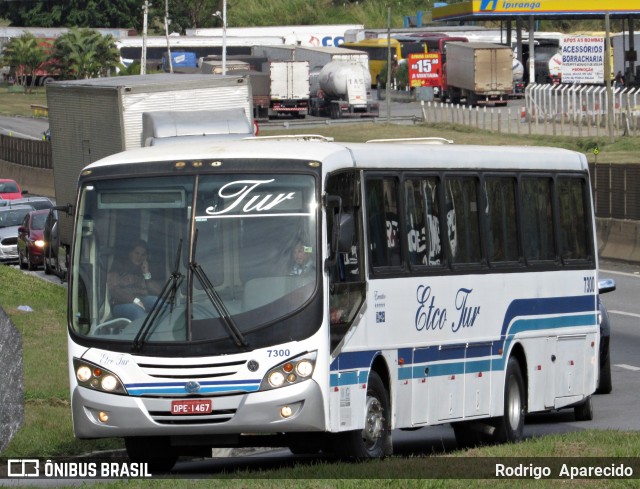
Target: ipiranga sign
583,59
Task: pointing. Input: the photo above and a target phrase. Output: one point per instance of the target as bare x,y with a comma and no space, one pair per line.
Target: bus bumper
101,415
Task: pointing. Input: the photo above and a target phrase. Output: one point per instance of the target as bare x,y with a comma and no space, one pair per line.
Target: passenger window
574,237
423,225
500,212
537,219
462,223
383,223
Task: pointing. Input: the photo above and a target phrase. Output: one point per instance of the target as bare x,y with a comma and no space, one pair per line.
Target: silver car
10,219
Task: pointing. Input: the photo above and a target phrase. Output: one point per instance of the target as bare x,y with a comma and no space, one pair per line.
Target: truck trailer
479,72
94,118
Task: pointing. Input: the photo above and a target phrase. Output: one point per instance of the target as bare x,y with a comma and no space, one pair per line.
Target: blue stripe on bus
206,387
413,363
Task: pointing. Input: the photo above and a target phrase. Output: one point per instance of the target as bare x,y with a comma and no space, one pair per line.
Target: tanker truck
343,90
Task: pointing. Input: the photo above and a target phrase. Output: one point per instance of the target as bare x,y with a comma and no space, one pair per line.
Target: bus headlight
93,377
289,372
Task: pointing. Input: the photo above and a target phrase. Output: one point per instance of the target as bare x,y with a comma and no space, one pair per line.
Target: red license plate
191,406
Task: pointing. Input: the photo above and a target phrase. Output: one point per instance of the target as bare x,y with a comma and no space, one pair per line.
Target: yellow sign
536,8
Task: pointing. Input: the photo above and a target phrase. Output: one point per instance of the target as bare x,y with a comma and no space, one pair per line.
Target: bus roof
336,155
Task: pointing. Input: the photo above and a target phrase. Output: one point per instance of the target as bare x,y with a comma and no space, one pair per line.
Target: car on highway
10,189
10,220
36,202
605,385
31,239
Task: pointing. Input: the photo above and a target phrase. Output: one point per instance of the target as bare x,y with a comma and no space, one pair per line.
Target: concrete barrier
11,383
37,181
618,239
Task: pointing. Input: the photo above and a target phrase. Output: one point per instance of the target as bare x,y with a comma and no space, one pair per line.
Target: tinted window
383,222
573,228
422,221
500,213
462,224
537,219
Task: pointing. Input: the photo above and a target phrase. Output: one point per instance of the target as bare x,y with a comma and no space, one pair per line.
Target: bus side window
500,212
574,237
462,220
537,219
423,222
383,220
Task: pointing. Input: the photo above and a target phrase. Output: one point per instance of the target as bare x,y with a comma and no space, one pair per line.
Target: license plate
191,406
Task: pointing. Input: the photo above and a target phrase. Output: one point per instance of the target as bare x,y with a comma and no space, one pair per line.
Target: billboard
582,59
506,8
425,70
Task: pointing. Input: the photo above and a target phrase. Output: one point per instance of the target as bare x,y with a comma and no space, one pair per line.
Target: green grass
12,104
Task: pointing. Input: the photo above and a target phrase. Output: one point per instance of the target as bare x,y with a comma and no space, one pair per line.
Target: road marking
623,313
627,367
625,274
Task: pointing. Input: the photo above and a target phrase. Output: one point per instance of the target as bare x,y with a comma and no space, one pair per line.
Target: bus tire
584,410
510,426
374,441
155,451
605,385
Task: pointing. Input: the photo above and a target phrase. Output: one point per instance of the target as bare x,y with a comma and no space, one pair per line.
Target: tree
24,54
85,53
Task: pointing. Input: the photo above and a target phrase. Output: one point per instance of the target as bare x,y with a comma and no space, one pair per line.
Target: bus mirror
345,233
606,285
67,209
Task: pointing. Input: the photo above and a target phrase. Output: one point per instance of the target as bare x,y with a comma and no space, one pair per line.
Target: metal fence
26,152
582,110
616,190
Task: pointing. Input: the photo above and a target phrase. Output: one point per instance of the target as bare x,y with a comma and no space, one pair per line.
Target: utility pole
388,87
607,76
223,17
166,32
143,57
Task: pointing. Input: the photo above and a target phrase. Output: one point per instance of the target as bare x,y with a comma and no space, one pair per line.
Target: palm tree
85,53
25,55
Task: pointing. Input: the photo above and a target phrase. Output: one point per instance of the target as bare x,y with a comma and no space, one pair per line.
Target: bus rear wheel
510,427
155,451
374,441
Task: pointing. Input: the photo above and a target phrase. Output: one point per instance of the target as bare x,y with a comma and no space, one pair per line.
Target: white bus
442,284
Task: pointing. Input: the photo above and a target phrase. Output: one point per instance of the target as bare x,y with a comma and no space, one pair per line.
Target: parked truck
344,91
288,87
480,73
94,118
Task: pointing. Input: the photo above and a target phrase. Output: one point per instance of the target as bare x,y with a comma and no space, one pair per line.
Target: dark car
31,239
52,264
604,384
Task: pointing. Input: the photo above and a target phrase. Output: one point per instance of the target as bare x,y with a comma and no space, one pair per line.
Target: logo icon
488,4
192,386
23,467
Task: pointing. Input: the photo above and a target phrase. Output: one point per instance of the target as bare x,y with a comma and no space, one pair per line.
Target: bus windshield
226,260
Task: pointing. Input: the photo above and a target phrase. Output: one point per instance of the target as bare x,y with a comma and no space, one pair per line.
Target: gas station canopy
548,9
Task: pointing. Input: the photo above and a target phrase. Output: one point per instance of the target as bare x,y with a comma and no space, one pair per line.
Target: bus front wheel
374,441
510,427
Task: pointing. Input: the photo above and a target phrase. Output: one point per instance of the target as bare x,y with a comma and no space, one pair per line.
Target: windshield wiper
167,296
214,298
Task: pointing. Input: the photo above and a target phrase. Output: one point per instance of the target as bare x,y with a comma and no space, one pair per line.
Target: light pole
143,56
224,35
166,31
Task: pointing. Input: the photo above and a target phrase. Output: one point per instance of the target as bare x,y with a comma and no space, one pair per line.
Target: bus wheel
510,426
374,441
155,451
584,410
